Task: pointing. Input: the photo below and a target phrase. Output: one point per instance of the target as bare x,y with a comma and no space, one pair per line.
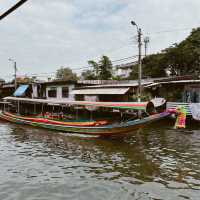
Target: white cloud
44,35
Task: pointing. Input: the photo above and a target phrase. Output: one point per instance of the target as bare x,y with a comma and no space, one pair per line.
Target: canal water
156,162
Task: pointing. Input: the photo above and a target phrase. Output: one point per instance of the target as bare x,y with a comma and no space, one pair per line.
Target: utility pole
15,71
140,64
139,31
146,41
15,75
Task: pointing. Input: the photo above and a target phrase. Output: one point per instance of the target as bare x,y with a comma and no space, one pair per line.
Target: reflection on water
152,163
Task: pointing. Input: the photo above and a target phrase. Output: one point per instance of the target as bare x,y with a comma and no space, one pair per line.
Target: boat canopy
20,90
116,105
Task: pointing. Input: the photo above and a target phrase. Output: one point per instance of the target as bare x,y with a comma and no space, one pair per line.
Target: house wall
182,92
71,96
123,72
35,91
192,93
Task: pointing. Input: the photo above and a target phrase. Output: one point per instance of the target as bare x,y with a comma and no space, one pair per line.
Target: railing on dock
174,105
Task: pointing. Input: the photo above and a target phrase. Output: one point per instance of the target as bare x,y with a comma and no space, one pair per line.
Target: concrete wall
123,72
71,96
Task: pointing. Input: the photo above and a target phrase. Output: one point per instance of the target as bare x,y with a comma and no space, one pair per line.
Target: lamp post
15,71
139,31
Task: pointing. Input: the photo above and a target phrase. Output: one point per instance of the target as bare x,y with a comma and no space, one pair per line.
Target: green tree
153,66
95,68
178,59
105,68
134,73
88,75
66,74
184,58
101,70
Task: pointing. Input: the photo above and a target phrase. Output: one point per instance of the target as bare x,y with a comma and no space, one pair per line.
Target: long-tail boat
94,128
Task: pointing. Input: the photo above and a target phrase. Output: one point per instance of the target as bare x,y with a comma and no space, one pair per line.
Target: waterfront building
118,91
178,91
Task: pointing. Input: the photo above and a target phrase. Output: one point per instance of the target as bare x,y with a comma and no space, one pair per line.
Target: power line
123,59
12,9
170,31
48,74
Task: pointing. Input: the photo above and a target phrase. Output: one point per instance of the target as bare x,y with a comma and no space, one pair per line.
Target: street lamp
139,31
134,24
15,71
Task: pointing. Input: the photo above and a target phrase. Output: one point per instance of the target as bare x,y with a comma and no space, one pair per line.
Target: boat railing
174,105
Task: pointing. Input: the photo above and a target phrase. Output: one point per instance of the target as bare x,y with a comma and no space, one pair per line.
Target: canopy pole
18,105
34,108
91,115
52,111
76,113
42,108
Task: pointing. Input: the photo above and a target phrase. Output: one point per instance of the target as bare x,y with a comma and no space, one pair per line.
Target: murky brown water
157,162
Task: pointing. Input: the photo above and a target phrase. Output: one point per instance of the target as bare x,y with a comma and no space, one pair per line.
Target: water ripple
152,163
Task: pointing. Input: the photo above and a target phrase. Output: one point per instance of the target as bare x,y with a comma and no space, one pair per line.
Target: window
65,92
52,92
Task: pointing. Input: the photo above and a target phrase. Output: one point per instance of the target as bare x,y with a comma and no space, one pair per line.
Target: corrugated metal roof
151,85
182,81
97,91
173,82
133,84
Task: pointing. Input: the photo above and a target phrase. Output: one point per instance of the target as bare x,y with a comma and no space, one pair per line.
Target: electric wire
12,9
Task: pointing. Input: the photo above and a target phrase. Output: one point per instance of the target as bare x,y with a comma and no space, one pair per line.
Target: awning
97,91
20,90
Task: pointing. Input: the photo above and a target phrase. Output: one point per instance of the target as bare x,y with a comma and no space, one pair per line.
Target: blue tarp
20,90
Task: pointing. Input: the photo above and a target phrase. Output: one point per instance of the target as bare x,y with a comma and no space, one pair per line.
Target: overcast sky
43,35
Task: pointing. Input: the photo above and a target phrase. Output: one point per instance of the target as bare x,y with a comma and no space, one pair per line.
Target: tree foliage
105,68
184,58
153,66
88,75
24,80
65,73
101,70
178,59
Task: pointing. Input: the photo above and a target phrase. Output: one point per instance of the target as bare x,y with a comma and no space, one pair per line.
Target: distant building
54,90
178,91
6,89
2,81
124,70
116,91
179,88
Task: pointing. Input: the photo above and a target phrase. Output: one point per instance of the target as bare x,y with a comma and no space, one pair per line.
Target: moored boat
104,130
99,127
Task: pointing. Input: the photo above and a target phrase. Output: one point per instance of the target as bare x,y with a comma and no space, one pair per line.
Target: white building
124,70
54,90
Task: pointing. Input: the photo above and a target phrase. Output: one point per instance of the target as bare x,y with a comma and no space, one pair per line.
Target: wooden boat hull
54,122
106,130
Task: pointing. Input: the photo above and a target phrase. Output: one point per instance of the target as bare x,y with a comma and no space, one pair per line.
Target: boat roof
117,105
